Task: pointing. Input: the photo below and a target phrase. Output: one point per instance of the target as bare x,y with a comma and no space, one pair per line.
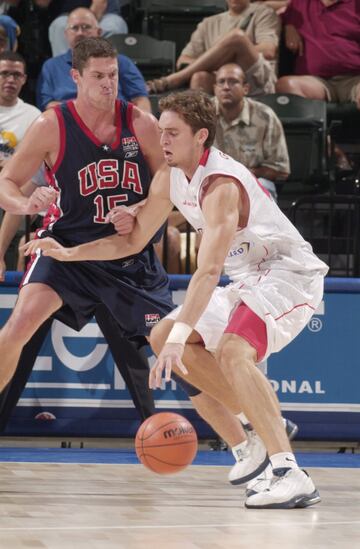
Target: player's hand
2,269
40,200
123,218
48,246
171,355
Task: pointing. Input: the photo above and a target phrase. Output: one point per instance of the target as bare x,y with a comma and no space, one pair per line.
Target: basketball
166,443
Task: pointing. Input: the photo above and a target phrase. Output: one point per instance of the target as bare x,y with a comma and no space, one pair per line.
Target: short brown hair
91,47
196,108
14,57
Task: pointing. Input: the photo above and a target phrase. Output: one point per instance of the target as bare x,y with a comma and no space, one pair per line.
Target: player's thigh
35,304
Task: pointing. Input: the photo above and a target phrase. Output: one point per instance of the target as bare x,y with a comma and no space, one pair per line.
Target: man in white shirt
15,118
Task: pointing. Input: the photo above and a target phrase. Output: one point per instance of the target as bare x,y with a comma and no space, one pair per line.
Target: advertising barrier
76,390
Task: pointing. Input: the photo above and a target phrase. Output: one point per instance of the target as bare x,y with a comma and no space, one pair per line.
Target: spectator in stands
246,34
248,130
55,83
3,39
15,117
324,35
12,31
107,13
277,5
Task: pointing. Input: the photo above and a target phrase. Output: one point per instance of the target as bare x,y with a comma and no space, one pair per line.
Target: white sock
283,460
238,449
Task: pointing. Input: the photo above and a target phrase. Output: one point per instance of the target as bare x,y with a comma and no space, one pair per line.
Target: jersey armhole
62,138
130,125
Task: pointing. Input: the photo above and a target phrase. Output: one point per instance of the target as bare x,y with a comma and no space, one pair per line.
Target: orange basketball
166,443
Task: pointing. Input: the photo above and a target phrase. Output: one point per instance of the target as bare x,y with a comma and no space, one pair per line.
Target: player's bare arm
150,218
41,142
221,207
146,128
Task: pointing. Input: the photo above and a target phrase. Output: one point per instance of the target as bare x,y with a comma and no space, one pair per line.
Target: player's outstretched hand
171,355
40,200
49,247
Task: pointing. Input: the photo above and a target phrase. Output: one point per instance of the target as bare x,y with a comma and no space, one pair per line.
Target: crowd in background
232,55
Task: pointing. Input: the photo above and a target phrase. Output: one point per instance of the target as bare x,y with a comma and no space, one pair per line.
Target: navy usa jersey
93,177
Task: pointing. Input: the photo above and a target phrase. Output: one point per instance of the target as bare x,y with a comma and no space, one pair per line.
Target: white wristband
179,333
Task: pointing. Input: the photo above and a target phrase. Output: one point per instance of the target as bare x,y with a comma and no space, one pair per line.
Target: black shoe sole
291,429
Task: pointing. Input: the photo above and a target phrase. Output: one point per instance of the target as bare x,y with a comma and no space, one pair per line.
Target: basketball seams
166,445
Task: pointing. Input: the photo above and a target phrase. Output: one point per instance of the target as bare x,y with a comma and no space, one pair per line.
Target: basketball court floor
76,498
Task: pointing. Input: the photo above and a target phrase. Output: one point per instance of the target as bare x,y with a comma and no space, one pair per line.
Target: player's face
99,81
12,79
181,147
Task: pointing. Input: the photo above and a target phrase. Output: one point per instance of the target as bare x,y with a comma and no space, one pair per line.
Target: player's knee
19,327
235,352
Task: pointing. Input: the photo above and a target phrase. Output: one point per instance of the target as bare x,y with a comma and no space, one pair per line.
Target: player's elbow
211,275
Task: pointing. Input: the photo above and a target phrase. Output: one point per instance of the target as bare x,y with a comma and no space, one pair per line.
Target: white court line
174,526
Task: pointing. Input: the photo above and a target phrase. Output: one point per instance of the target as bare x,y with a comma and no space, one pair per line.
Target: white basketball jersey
269,241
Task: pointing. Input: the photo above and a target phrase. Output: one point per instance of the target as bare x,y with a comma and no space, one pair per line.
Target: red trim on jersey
295,307
246,324
118,125
204,157
129,117
61,152
87,130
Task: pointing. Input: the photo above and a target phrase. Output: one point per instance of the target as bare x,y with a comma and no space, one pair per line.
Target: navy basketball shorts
135,290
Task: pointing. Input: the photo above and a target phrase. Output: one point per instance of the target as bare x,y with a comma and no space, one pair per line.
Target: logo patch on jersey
130,154
189,203
129,144
241,250
151,319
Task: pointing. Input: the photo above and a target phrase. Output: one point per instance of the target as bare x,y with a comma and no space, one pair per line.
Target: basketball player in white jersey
277,282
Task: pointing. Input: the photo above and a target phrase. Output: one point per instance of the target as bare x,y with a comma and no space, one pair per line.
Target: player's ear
75,75
203,134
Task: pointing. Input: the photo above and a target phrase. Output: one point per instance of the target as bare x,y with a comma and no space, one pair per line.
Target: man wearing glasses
248,130
107,13
55,83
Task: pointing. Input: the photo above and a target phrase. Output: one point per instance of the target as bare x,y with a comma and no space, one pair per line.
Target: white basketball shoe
292,490
261,482
250,461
